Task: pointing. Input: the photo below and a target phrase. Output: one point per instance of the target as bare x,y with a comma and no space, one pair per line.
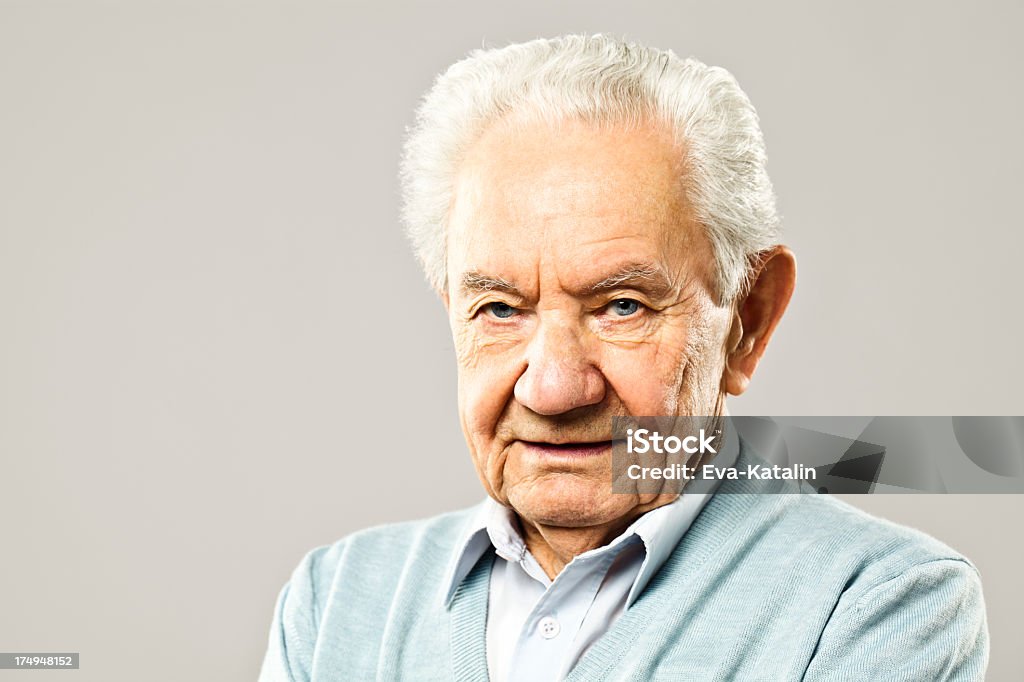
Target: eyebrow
475,283
651,278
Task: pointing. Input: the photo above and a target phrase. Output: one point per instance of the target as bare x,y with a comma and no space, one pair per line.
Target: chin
568,501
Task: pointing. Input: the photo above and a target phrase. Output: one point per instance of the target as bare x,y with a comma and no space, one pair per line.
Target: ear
756,315
444,299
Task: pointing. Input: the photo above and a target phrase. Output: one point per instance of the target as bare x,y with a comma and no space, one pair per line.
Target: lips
569,450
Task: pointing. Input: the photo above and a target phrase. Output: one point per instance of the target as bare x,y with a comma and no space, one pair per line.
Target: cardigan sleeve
927,623
289,656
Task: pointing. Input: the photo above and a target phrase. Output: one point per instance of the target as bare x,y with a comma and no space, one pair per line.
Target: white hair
603,80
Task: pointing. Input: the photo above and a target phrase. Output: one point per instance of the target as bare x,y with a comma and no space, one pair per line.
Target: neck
555,546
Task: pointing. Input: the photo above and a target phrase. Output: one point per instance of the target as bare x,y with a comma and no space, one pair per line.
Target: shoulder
393,543
874,599
435,532
894,566
879,567
358,574
821,531
910,603
379,554
824,540
880,549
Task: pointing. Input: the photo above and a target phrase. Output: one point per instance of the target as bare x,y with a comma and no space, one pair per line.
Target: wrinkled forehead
574,197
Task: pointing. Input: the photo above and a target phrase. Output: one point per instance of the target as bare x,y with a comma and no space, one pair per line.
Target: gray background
209,321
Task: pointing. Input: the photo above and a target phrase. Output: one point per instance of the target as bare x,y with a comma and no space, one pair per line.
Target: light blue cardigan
762,587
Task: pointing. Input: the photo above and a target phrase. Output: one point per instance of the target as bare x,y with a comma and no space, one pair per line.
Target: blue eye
624,307
501,310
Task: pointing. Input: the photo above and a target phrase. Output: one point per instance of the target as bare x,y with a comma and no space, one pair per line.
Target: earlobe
737,367
734,382
757,315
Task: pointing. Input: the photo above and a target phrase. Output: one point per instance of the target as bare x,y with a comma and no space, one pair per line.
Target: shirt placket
547,635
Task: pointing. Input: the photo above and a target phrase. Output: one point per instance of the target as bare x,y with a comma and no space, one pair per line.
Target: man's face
580,288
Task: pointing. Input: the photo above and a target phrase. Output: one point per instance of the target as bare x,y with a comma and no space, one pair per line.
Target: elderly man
597,219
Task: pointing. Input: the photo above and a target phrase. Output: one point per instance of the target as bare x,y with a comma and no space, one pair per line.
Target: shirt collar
493,526
473,544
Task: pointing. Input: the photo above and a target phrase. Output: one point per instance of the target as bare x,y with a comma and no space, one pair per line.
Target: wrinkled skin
581,287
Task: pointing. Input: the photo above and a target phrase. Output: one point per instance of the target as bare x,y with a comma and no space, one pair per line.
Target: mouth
568,450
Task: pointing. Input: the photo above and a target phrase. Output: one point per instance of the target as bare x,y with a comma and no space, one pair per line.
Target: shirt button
549,627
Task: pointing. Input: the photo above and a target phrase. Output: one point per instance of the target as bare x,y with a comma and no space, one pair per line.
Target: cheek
647,377
675,371
486,384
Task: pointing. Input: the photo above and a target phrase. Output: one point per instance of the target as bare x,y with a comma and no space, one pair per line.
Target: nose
559,375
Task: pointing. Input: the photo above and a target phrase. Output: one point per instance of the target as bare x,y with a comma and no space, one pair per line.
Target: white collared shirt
537,629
